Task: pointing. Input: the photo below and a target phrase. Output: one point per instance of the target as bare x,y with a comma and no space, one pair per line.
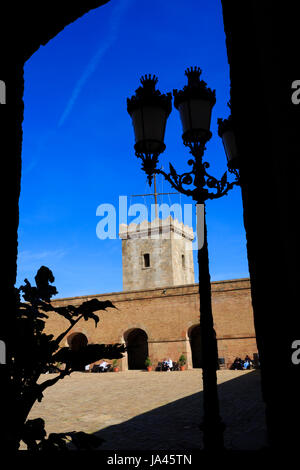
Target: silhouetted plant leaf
29,292
33,430
84,441
55,442
33,352
88,308
64,355
68,311
61,441
89,354
94,305
42,279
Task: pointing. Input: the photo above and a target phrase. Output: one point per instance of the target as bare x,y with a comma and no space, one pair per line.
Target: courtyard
153,410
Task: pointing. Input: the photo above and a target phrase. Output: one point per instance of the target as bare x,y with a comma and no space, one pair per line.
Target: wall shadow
175,426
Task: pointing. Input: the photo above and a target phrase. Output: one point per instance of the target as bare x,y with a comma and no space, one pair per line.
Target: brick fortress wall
167,315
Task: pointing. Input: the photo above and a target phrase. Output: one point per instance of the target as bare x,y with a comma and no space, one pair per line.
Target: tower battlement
157,254
158,228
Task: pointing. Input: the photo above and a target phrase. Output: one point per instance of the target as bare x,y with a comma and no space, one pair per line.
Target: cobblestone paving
153,410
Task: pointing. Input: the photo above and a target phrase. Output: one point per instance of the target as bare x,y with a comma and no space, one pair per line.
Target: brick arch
190,329
136,327
136,340
77,341
194,336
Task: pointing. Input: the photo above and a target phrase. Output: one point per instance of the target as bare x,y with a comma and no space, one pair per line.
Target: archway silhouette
76,342
137,348
195,343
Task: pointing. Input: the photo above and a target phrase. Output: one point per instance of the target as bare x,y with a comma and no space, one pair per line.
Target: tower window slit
146,260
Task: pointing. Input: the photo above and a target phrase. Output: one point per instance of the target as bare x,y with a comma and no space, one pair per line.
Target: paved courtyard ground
153,410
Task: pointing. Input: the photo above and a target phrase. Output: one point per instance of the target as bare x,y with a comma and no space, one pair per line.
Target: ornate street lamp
149,110
194,103
225,131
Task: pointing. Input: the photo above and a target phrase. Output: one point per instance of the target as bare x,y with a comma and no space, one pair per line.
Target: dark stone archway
77,342
195,342
137,348
25,27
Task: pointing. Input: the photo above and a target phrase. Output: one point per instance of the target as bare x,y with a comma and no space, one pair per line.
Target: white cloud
28,256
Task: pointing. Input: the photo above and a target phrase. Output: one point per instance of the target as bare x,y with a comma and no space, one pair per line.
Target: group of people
167,364
240,364
102,367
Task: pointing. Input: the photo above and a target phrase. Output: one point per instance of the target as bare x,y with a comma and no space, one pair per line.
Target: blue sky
78,138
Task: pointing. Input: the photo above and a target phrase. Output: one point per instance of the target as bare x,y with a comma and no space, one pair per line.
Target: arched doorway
195,343
137,348
77,342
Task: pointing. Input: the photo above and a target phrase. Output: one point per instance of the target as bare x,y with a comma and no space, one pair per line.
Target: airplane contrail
116,17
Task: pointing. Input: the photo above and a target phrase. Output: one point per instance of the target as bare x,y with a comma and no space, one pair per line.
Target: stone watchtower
156,254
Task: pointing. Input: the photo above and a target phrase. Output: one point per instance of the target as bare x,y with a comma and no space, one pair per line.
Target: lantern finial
149,82
193,75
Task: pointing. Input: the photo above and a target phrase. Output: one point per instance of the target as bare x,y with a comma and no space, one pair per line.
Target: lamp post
149,110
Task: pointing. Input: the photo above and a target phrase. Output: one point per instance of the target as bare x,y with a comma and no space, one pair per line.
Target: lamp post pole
212,425
194,103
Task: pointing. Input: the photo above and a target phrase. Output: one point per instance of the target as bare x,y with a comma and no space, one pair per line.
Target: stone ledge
168,291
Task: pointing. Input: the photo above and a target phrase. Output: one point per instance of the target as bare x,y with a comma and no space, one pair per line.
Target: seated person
241,364
248,361
170,363
103,366
237,364
233,365
165,365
